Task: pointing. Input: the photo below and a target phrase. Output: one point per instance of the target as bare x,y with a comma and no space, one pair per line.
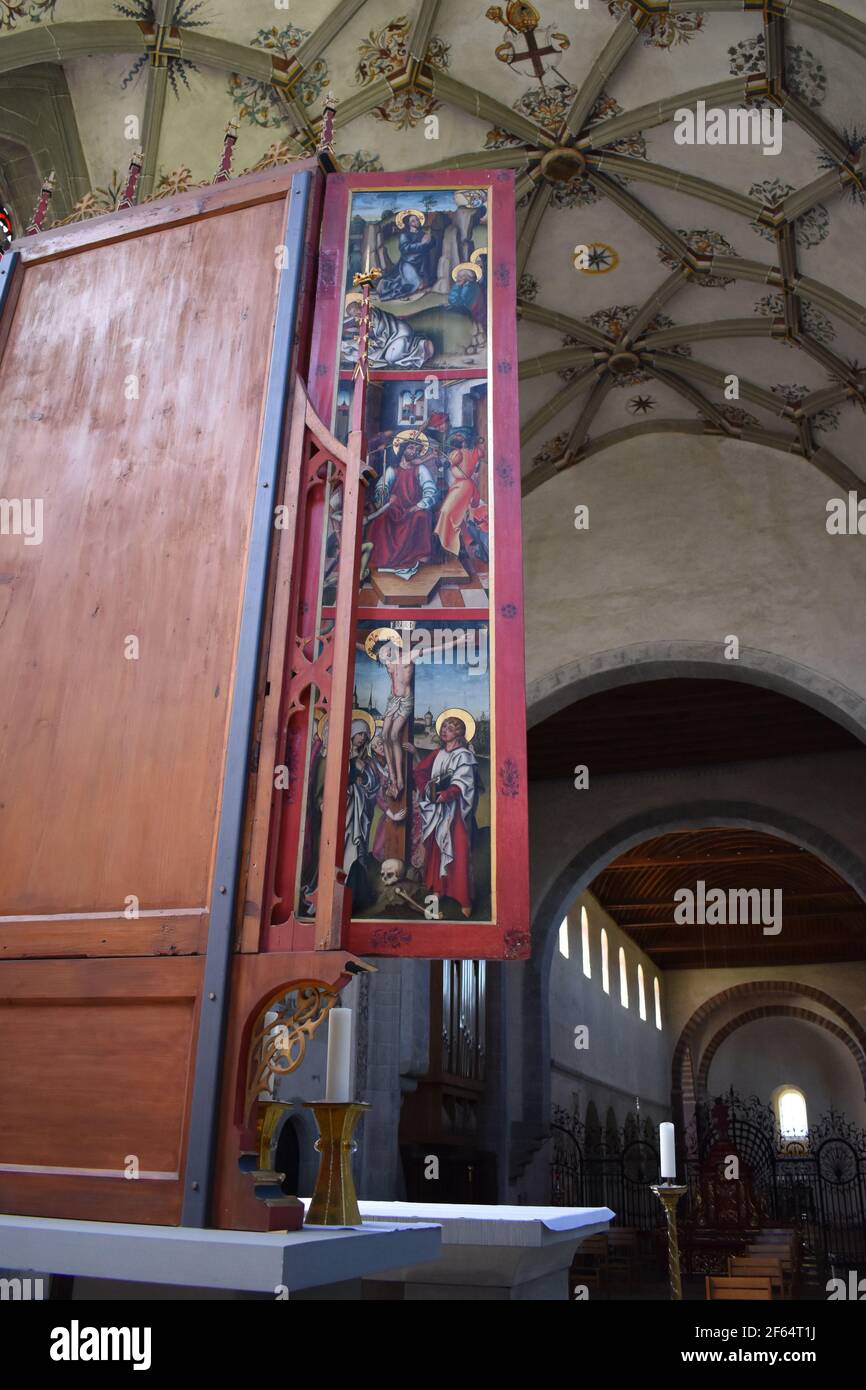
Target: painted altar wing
435,850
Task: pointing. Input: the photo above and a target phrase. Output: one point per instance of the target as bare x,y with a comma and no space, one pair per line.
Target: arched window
641,993
791,1112
584,942
623,979
563,937
605,963
657,995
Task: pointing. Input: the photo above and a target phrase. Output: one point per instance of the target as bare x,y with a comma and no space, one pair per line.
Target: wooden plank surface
111,767
96,1070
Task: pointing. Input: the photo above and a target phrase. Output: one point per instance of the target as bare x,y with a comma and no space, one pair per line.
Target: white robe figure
390,343
447,825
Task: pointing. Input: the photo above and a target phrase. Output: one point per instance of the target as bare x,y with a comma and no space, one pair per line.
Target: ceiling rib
564,323
645,171
706,332
555,361
605,65
531,223
593,405
656,301
734,91
154,107
551,408
695,398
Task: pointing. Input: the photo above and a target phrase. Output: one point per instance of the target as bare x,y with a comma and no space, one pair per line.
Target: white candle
339,1073
667,1145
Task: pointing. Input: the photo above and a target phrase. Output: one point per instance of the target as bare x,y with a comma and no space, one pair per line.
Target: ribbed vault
583,137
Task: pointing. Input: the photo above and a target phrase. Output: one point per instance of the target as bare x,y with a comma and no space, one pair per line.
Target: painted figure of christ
401,530
400,665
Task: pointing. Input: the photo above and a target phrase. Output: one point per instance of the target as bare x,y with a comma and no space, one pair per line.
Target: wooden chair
590,1263
759,1266
746,1287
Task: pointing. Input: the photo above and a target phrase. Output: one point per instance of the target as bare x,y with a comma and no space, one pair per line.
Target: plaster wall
773,1052
626,1057
691,539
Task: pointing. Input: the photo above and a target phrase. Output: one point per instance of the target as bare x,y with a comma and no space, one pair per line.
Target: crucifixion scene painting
426,524
428,307
417,829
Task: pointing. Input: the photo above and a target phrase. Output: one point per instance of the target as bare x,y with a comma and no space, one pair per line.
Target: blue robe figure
413,272
469,297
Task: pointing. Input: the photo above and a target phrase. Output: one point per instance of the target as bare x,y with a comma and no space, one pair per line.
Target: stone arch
686,1089
579,873
650,661
777,1011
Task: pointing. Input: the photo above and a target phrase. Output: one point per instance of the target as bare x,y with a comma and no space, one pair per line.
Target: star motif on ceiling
597,258
641,405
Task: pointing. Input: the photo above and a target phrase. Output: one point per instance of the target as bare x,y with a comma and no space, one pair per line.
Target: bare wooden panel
149,936
96,1068
110,768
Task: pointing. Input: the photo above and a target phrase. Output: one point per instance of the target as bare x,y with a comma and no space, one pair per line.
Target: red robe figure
448,795
406,495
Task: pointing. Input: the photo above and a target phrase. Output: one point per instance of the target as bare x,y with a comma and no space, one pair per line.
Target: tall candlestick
338,1078
668,1148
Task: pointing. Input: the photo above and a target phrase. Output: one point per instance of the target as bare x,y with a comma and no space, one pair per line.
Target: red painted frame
507,936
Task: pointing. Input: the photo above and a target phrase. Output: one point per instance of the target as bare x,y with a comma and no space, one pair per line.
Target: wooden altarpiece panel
432,836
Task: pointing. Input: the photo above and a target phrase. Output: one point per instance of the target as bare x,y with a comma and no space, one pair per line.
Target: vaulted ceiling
703,261
822,918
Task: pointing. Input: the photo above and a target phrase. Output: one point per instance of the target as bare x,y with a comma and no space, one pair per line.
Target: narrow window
605,964
791,1106
584,941
563,937
623,979
641,993
658,1002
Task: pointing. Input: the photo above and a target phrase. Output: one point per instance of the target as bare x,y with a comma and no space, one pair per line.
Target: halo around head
321,723
461,714
354,297
408,212
471,266
381,634
476,255
361,720
409,437
470,197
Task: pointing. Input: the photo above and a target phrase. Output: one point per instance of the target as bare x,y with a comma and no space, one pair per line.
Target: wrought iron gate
816,1184
595,1168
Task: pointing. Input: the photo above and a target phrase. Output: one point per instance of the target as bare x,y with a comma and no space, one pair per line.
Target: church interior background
690,321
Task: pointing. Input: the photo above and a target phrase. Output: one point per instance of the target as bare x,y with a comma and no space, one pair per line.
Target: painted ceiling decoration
703,261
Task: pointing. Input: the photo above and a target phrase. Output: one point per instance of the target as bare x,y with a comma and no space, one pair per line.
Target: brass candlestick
334,1202
669,1193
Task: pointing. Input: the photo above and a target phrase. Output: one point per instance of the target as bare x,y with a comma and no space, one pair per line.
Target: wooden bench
747,1287
760,1266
